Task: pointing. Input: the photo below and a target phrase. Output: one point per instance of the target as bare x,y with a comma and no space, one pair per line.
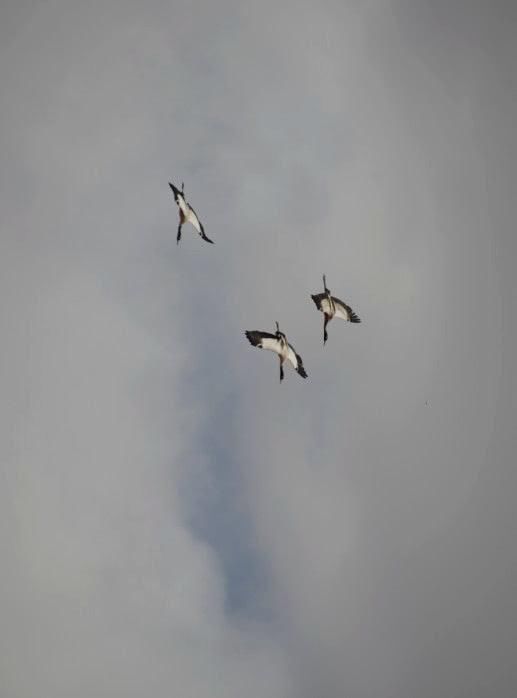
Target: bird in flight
331,307
187,213
278,343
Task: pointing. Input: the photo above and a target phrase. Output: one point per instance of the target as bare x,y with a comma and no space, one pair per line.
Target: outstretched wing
175,191
296,361
263,340
344,311
179,199
317,298
321,302
192,217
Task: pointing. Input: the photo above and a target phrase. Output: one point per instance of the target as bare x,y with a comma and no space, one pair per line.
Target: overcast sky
173,522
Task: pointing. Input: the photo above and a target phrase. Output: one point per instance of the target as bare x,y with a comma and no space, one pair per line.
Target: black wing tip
316,301
300,370
252,338
175,191
354,317
202,231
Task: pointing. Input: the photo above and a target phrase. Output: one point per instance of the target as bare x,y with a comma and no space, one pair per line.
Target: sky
173,521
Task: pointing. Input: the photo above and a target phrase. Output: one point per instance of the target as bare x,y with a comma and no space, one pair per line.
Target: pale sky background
173,522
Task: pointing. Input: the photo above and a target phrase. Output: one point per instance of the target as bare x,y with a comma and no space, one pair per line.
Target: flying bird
278,343
331,307
187,213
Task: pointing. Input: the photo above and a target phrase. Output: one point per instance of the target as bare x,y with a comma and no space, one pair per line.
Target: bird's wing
321,301
296,361
317,298
344,311
179,199
192,218
175,191
263,340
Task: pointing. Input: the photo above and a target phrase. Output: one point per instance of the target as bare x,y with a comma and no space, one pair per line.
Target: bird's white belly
328,308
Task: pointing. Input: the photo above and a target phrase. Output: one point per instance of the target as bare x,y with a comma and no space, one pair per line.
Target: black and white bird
187,213
278,343
331,307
